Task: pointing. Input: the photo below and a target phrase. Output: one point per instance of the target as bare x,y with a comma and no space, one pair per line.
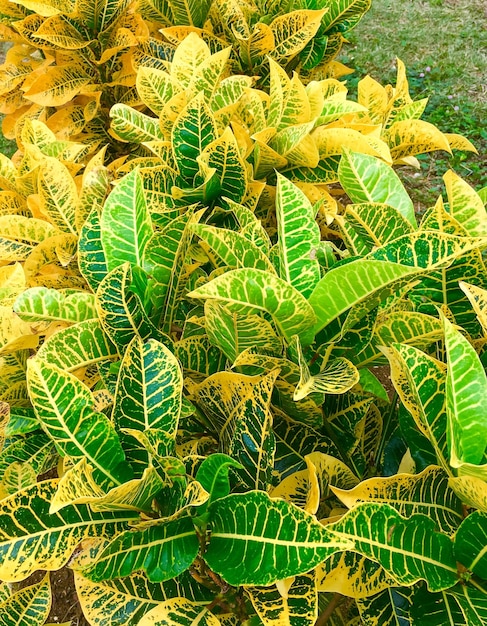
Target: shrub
192,418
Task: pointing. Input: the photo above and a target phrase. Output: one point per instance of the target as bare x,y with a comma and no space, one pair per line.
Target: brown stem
327,613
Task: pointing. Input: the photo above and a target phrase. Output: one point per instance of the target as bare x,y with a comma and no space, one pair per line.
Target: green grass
442,43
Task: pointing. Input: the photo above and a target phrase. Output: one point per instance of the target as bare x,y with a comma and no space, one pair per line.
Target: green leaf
362,281
91,256
40,304
198,357
132,126
367,179
376,224
78,346
164,260
244,290
471,542
213,473
409,327
162,550
345,13
233,248
299,237
420,382
120,308
193,130
408,549
428,493
115,602
28,607
125,223
265,540
63,406
463,605
234,333
466,393
46,540
149,388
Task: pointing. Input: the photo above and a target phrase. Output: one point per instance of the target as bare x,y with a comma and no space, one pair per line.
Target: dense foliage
204,259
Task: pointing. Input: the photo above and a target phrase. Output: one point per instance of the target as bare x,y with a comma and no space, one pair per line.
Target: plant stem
327,613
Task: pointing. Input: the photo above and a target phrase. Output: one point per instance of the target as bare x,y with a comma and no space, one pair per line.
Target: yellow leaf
189,55
373,96
459,142
471,490
58,195
58,85
332,141
410,137
465,205
293,30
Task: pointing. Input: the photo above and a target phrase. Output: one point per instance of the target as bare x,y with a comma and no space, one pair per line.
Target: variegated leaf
292,31
427,492
63,407
131,125
29,606
47,541
265,540
244,290
125,223
40,304
409,549
179,612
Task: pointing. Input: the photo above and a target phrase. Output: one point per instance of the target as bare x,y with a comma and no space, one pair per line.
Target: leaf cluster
192,417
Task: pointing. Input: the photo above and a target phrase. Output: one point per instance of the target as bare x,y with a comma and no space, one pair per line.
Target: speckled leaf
298,608
162,551
78,346
238,407
465,205
29,606
292,31
243,290
265,540
63,407
125,223
58,196
40,304
466,407
299,237
234,333
47,541
409,549
179,612
367,179
427,492
91,256
124,601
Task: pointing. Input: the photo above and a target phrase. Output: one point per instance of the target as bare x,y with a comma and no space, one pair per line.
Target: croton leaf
162,550
265,540
470,544
179,612
47,540
298,606
29,606
124,601
243,290
91,256
466,409
367,179
40,304
63,406
409,549
427,492
389,607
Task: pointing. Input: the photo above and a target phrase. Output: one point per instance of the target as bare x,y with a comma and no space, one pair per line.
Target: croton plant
241,381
